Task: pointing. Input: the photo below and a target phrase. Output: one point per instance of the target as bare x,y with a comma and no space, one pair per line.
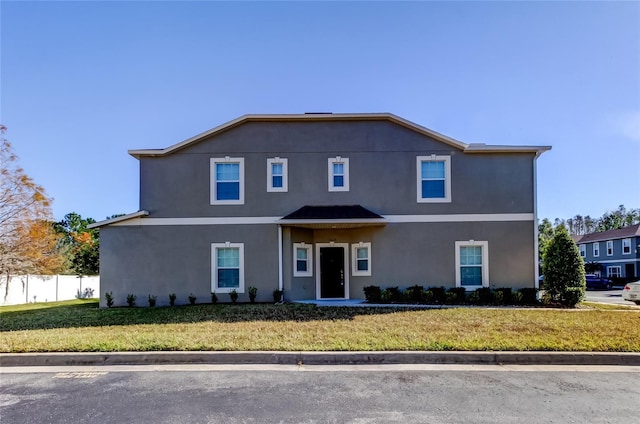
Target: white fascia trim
119,219
484,148
485,262
262,220
285,175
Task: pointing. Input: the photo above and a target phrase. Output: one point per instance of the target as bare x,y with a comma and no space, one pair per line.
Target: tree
545,234
619,218
563,268
27,239
80,244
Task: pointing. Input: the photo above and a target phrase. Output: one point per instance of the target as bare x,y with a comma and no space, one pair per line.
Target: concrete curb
318,358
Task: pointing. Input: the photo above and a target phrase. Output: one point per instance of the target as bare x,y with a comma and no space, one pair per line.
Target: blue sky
83,82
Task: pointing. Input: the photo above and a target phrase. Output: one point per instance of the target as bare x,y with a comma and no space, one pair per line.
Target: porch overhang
335,217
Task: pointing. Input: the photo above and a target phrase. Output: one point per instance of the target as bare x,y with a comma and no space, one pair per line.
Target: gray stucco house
322,205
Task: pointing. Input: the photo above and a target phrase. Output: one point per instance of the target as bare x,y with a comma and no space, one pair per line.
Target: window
227,181
302,260
472,264
614,271
626,246
228,267
277,174
609,247
434,179
583,250
361,259
338,174
596,249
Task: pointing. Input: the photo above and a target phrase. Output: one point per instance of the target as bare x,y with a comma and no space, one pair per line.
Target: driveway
607,296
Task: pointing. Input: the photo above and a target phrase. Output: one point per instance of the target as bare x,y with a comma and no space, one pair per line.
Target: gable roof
633,230
118,219
471,148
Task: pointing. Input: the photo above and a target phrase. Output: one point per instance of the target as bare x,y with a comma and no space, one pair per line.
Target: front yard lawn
79,326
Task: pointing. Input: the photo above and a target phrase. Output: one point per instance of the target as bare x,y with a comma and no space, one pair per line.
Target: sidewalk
318,358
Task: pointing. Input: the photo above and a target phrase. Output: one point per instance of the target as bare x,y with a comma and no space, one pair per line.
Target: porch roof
333,217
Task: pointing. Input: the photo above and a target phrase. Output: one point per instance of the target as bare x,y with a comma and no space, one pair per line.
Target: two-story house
322,205
616,251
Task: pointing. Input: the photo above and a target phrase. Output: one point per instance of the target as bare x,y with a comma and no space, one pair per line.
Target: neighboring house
617,251
322,205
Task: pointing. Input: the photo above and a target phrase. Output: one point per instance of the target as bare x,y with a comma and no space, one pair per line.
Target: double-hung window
609,247
434,179
228,267
472,264
361,259
596,249
277,174
227,181
614,271
626,246
338,174
583,250
302,260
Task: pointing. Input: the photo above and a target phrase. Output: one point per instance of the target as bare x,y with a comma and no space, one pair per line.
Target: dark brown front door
331,272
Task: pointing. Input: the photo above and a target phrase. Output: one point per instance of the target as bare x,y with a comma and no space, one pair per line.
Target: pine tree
563,269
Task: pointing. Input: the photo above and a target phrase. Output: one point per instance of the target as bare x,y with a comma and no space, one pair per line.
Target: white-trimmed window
228,267
472,264
361,259
434,179
583,250
227,181
302,260
609,247
596,249
614,271
277,174
626,246
338,174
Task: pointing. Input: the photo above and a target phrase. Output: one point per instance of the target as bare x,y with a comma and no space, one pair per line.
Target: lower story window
302,260
614,271
228,267
361,259
472,264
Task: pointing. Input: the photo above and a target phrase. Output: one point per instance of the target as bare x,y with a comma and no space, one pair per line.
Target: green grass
79,326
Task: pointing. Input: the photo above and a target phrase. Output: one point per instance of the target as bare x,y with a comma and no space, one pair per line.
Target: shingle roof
633,230
338,212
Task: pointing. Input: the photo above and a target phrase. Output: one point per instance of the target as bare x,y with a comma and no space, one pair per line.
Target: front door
332,272
629,271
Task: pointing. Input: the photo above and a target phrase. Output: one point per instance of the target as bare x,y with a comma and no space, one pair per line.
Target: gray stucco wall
382,160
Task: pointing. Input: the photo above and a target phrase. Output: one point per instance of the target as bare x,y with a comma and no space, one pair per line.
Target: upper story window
227,181
583,250
361,259
302,260
596,249
609,247
277,174
434,179
626,246
338,174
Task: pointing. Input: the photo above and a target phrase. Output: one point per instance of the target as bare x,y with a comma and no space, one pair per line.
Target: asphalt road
607,296
335,394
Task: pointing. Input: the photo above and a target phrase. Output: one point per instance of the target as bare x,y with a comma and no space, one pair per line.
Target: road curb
318,358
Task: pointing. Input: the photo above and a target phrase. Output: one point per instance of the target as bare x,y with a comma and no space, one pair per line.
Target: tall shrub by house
563,270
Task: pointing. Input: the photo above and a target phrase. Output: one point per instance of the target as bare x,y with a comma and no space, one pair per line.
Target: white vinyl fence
47,288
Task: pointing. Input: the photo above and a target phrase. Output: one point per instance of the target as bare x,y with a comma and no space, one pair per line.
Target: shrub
192,299
438,294
485,296
474,298
391,295
503,296
563,269
172,299
233,294
253,292
214,298
152,300
109,298
131,300
373,294
427,296
456,295
277,295
414,294
527,296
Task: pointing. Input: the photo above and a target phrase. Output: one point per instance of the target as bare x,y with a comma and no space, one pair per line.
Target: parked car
631,292
595,282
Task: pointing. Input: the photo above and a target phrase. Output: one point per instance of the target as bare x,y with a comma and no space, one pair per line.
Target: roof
633,230
470,148
334,217
118,219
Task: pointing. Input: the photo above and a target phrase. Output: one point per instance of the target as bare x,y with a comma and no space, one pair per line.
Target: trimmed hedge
453,296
